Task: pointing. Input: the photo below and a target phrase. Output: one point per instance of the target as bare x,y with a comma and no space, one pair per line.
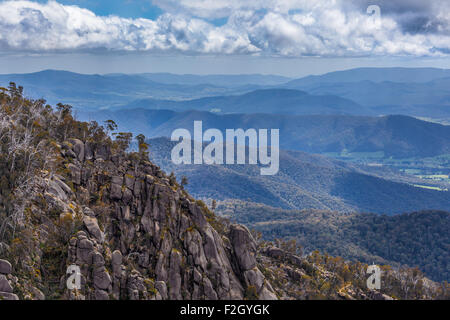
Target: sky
287,37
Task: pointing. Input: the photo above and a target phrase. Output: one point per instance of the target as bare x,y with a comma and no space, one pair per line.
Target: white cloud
30,26
224,8
292,28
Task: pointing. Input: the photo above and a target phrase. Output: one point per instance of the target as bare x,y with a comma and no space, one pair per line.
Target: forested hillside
304,181
415,239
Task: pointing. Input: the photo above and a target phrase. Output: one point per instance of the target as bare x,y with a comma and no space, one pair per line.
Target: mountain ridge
396,136
420,92
303,182
279,101
394,74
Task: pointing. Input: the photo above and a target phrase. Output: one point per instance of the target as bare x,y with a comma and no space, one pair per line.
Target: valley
306,181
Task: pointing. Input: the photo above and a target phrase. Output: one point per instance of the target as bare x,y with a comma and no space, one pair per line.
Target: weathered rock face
142,237
245,261
5,267
6,290
129,232
92,227
78,148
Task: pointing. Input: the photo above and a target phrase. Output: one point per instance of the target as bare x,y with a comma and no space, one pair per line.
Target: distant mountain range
417,92
304,182
279,101
405,75
104,91
220,80
396,136
422,92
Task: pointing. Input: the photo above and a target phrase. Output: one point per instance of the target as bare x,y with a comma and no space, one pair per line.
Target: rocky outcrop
244,247
6,290
135,234
92,227
146,238
376,295
5,267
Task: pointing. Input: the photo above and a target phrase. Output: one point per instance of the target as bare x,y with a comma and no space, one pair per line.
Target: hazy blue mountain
280,101
304,181
222,80
369,91
396,136
102,91
406,75
389,93
417,92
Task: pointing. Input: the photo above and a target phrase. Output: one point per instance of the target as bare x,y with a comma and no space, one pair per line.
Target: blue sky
126,8
290,37
123,8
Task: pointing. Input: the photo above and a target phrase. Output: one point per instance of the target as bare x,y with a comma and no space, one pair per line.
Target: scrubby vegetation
32,135
319,276
33,139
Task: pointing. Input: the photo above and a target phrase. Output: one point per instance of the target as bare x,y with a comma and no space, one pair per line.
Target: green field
434,172
430,188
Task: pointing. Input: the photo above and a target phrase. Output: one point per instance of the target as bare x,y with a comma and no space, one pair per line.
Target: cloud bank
286,28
